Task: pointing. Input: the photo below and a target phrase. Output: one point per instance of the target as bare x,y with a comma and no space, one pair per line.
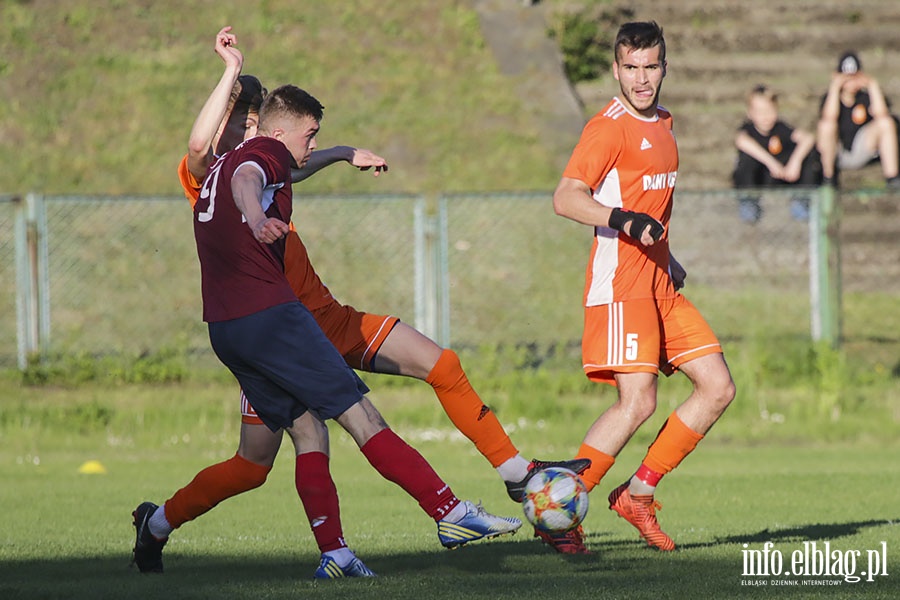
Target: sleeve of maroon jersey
271,156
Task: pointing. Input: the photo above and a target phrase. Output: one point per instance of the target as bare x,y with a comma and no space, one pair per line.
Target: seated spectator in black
856,127
771,153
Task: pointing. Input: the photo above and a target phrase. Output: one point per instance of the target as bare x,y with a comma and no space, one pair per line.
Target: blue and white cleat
329,569
475,525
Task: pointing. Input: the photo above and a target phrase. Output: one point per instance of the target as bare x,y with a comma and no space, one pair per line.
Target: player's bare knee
727,394
362,421
721,394
260,456
639,407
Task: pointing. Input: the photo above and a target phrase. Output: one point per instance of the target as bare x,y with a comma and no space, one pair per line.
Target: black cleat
517,489
147,549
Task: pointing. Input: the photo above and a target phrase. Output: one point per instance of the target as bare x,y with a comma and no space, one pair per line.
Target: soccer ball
555,500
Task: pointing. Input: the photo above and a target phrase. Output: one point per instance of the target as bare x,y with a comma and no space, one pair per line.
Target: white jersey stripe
692,350
596,367
605,260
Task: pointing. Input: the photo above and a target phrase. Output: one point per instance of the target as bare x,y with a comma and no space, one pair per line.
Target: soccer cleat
516,489
329,569
640,511
565,542
475,525
147,553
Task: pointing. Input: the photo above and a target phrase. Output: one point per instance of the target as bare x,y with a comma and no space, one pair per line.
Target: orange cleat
640,511
566,542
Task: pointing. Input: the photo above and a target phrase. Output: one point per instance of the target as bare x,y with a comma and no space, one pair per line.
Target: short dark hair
763,91
248,92
292,101
640,35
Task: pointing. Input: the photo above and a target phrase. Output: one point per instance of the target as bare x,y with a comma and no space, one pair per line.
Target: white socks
514,469
342,556
457,512
158,524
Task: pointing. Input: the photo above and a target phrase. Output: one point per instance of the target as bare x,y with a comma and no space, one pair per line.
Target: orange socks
600,464
672,444
466,410
212,485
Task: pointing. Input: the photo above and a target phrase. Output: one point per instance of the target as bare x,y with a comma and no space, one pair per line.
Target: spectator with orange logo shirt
856,127
772,153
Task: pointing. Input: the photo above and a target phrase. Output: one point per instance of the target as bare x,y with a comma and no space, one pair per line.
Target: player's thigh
406,351
863,149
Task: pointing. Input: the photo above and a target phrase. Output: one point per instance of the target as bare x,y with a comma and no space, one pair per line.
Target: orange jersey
629,162
299,270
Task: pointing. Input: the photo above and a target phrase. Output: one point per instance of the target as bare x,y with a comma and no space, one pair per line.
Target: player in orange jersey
620,180
368,342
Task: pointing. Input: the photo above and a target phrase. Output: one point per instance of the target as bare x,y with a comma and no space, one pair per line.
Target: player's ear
665,67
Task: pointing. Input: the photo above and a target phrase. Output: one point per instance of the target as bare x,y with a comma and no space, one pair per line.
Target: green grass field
68,535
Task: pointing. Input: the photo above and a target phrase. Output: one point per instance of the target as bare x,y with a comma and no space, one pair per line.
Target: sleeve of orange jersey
189,183
596,152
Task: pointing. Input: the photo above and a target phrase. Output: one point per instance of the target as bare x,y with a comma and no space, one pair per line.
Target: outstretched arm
358,157
208,121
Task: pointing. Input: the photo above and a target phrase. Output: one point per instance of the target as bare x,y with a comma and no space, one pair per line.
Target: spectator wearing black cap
855,126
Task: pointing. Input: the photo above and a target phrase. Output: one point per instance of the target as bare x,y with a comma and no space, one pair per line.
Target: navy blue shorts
286,365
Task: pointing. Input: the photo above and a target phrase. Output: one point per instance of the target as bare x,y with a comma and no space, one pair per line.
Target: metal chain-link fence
9,205
123,277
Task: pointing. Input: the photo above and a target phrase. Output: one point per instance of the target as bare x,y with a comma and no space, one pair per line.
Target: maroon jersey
239,275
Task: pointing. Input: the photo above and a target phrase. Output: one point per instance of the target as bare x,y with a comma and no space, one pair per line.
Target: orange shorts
643,336
357,335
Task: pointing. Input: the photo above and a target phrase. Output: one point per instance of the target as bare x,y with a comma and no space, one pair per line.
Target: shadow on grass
812,532
513,567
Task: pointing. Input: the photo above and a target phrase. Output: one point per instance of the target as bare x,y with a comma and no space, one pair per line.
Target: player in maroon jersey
272,344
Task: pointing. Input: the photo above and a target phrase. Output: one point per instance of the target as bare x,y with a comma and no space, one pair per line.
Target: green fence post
825,268
431,303
32,280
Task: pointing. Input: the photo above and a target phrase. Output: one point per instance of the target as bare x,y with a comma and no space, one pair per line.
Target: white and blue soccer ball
555,500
